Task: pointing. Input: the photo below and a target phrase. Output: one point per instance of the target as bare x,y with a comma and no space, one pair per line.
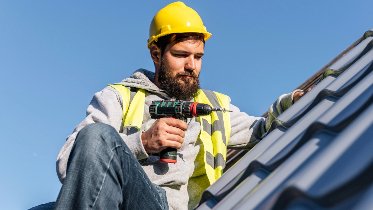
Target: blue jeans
102,173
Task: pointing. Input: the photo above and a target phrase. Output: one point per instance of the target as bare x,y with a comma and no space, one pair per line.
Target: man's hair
172,39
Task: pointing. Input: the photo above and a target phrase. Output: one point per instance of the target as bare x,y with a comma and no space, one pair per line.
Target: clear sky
54,55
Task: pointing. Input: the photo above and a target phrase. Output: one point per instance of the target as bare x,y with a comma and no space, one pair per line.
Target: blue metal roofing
319,154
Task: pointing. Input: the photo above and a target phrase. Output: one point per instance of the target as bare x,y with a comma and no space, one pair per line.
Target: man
111,159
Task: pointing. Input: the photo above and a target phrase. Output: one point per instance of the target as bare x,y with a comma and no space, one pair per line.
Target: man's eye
180,55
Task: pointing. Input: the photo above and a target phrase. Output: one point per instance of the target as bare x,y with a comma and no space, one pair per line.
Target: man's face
180,67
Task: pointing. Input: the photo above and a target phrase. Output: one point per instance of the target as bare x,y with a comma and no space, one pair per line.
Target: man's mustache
189,74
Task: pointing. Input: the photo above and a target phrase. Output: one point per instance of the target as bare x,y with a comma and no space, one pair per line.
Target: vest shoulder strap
132,105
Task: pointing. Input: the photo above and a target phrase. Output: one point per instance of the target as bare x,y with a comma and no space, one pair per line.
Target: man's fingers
175,123
174,141
177,138
297,95
170,140
175,131
175,145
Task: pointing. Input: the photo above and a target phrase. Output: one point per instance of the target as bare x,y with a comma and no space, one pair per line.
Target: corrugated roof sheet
320,153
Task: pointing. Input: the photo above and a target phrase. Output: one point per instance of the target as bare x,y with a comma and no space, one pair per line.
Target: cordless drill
180,110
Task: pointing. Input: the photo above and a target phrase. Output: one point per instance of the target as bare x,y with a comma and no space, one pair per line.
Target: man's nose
190,63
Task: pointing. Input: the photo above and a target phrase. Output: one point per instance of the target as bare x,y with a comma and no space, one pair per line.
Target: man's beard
183,86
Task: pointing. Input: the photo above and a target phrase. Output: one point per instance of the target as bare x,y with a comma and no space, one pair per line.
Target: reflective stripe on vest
213,138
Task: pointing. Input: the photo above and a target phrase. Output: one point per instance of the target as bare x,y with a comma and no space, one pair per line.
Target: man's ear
155,53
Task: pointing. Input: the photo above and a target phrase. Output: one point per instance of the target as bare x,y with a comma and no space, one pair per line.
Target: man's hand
165,132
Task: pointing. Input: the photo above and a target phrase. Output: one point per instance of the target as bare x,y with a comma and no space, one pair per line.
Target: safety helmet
176,18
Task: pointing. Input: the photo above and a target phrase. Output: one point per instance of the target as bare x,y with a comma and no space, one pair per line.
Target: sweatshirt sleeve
105,107
249,130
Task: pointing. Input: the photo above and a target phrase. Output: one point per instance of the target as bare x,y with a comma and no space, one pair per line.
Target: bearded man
111,159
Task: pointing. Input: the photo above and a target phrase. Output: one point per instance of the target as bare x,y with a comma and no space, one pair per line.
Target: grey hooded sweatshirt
106,107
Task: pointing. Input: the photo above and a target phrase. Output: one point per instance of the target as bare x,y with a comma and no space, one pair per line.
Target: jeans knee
95,136
96,129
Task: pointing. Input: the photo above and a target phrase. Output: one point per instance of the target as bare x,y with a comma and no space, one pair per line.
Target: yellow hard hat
176,18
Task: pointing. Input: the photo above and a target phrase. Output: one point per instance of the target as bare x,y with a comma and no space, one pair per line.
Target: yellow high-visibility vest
213,138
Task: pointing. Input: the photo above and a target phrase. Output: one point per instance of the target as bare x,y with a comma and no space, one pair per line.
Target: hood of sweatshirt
144,79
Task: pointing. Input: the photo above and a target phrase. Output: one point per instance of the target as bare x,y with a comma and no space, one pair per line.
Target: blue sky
54,55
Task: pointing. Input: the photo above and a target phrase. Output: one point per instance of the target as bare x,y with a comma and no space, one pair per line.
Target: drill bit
219,109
